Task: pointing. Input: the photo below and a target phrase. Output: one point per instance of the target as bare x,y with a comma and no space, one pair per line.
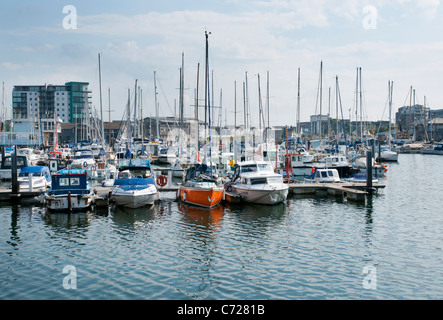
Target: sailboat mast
298,104
129,118
268,103
101,106
207,100
196,108
156,106
361,109
141,117
321,98
135,109
109,110
336,105
390,85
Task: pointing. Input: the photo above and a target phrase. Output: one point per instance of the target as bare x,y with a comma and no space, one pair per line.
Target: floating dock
353,191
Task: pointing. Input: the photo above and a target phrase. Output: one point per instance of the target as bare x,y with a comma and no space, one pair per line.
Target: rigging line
167,102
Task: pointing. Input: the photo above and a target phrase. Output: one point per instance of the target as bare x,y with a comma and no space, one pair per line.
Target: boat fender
162,180
85,164
184,196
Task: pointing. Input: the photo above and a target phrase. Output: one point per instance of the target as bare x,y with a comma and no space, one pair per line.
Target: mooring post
369,171
15,186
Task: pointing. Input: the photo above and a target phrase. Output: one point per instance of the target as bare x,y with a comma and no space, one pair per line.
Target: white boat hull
62,203
135,198
38,184
388,156
263,196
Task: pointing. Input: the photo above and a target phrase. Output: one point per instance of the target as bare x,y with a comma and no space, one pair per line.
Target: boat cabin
70,180
22,161
323,176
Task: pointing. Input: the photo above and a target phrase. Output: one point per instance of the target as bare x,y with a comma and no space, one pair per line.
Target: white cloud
12,66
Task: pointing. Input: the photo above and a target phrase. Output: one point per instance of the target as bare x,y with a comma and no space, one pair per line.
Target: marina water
314,247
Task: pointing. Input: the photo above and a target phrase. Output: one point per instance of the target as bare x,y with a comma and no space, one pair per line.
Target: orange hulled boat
200,188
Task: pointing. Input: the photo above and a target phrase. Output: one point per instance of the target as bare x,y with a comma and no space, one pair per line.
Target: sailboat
200,186
386,153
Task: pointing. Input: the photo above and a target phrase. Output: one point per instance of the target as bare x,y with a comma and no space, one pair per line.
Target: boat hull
265,196
388,156
202,197
68,203
135,198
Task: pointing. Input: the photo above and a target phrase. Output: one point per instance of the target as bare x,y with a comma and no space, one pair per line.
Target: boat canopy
134,182
135,163
43,170
71,171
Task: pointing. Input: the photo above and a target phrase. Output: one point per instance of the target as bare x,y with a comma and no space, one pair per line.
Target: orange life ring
162,180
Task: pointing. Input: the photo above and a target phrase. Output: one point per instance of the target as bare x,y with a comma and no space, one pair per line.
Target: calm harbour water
308,248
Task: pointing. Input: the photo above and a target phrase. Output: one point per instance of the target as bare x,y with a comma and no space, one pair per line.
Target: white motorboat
386,154
359,177
167,156
297,163
323,176
337,161
256,182
84,159
378,170
6,164
32,154
36,178
134,186
134,192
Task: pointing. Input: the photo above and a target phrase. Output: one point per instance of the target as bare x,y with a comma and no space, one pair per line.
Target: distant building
36,109
411,121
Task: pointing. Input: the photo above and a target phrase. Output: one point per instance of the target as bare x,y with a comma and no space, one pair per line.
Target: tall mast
101,106
321,97
129,118
141,117
298,104
206,83
156,106
268,103
336,104
235,109
361,109
410,111
248,121
135,109
390,85
207,101
196,108
259,104
109,110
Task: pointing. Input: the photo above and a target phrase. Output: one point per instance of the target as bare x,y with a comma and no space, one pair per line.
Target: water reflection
66,221
255,218
122,215
208,218
197,249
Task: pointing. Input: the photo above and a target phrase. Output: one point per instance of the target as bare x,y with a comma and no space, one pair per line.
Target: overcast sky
391,40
